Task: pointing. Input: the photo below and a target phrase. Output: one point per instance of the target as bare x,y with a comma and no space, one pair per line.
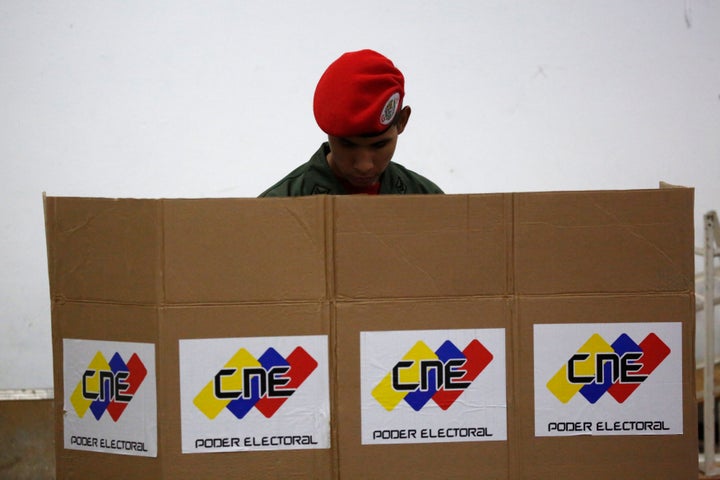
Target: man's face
361,160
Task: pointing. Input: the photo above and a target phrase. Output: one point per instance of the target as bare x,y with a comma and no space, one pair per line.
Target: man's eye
380,145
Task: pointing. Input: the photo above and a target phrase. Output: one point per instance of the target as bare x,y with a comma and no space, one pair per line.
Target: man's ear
403,117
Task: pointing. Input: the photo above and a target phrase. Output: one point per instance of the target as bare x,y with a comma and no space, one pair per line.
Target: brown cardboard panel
95,321
259,320
159,271
424,246
104,321
77,465
408,461
581,242
104,249
594,457
235,250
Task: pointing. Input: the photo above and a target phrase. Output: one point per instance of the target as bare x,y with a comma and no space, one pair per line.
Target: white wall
140,98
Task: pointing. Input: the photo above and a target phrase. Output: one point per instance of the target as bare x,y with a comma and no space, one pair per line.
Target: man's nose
363,161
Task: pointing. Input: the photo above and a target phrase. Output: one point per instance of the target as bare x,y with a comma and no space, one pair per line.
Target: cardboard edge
663,185
49,209
328,206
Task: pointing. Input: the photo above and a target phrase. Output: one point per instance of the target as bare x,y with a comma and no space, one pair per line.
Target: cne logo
108,386
423,374
599,367
245,382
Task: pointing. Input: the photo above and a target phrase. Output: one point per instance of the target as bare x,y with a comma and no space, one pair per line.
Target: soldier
359,104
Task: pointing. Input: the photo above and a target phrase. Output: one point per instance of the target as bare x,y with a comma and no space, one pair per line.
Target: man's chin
362,182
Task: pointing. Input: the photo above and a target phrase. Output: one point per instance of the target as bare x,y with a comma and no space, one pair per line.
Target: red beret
359,94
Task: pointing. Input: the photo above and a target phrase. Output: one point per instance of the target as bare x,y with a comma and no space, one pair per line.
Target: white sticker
608,379
110,399
390,109
260,393
433,386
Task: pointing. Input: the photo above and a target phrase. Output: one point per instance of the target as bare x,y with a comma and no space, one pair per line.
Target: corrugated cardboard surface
244,250
230,321
604,457
99,321
603,257
431,460
163,270
604,242
157,271
104,250
452,245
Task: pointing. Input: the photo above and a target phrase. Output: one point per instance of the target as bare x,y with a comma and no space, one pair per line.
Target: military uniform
315,177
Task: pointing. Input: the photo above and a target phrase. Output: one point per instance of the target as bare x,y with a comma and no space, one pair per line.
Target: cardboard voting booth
505,336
